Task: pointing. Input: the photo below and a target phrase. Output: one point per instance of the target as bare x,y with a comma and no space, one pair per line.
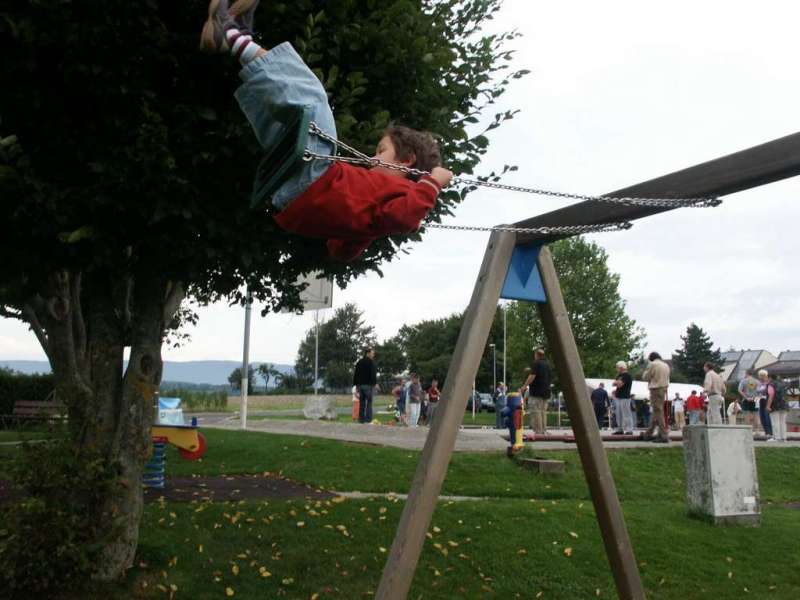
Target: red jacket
694,402
351,207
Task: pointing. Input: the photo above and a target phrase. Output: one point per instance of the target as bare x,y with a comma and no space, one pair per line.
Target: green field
511,545
532,536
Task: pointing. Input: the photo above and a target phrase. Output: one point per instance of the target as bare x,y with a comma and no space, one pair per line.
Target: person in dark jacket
365,377
600,401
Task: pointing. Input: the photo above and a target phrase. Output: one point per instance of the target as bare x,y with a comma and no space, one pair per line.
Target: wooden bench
27,410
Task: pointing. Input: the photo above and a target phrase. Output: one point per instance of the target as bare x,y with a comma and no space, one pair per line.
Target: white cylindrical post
505,381
473,401
245,359
494,368
316,352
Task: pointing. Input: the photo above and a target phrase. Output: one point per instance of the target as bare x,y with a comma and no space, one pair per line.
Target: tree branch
175,295
78,322
30,317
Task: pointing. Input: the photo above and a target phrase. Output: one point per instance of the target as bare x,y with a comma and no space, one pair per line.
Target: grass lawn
534,537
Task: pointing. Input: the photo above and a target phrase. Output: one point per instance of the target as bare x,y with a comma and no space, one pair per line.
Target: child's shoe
242,12
212,38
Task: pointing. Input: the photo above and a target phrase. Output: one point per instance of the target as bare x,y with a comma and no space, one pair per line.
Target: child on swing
347,205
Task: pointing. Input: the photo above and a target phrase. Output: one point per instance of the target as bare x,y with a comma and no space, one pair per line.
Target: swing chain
362,159
554,230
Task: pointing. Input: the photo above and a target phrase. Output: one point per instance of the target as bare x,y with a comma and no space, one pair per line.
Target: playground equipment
518,265
170,429
516,408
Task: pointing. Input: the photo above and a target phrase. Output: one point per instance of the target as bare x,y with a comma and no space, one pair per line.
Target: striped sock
242,45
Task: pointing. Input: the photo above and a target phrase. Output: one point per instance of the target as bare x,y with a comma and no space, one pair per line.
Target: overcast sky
620,92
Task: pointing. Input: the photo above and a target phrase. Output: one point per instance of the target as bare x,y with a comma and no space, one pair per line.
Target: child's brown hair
419,144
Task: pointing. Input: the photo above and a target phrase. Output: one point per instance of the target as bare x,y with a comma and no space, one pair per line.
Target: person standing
734,408
765,394
513,403
622,399
748,391
714,387
499,405
414,401
365,376
433,399
772,408
538,384
657,377
600,403
678,406
399,393
694,404
778,409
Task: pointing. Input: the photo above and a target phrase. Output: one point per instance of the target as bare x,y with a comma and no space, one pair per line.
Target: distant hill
195,372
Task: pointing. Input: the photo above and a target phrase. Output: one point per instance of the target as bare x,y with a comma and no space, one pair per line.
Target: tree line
603,330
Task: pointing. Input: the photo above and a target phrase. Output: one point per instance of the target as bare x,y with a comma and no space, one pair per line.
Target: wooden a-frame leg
432,468
584,425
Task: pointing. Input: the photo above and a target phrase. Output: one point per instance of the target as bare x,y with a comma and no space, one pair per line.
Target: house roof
746,361
731,356
783,368
789,355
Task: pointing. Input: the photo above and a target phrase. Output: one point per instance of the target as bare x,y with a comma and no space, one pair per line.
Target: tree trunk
110,411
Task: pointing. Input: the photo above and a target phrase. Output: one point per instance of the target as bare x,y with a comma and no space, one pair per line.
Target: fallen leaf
567,551
382,549
235,569
229,592
436,530
301,524
573,534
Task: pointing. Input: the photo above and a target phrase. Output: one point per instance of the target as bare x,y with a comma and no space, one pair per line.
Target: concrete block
721,476
320,407
543,465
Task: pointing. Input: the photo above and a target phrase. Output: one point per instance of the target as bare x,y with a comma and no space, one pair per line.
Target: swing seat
285,158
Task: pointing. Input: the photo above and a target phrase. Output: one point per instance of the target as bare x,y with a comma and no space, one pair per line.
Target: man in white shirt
714,386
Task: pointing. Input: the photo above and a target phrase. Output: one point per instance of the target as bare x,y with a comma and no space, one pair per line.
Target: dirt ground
216,489
233,487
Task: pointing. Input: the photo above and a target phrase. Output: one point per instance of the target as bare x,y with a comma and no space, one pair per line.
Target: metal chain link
363,160
555,229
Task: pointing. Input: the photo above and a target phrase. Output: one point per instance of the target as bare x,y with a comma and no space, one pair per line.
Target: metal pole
246,359
473,401
558,400
505,346
316,352
432,467
494,368
584,426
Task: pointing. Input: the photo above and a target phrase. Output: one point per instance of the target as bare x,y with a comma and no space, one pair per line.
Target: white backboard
318,294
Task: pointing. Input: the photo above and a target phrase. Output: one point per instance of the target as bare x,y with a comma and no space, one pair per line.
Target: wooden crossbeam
749,168
759,165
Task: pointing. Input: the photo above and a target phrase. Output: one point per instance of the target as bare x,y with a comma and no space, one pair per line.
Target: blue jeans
276,81
499,405
513,404
763,413
365,405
